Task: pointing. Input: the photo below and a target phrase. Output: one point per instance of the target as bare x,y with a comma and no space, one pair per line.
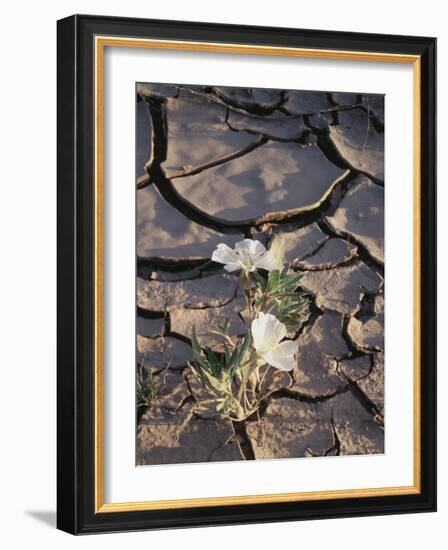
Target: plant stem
248,294
263,377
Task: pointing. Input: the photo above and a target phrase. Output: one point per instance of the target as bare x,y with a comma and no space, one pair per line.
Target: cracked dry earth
219,164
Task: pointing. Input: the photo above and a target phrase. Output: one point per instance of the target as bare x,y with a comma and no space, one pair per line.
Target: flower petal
252,247
268,262
223,254
274,257
259,330
232,267
282,356
267,332
276,330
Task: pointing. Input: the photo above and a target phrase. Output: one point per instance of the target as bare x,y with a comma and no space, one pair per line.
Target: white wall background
27,287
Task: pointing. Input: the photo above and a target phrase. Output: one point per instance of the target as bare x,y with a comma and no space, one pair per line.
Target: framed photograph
246,274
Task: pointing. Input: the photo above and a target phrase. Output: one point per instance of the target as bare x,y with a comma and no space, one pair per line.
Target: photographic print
221,240
260,273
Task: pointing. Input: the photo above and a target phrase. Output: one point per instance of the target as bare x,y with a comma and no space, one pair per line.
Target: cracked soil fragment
361,215
163,352
162,439
274,178
341,289
163,232
212,291
359,143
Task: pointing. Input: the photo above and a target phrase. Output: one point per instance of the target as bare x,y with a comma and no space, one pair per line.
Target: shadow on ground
47,517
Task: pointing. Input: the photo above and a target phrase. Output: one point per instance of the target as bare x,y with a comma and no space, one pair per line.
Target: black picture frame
76,512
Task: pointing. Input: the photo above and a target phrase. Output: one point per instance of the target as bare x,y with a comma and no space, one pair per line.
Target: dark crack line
243,106
341,262
340,193
328,148
210,268
300,140
368,349
303,219
222,304
335,114
159,141
170,265
315,313
331,152
166,323
378,124
355,351
366,403
244,440
185,371
142,96
366,133
230,439
141,409
185,401
375,119
353,387
314,251
246,108
167,331
180,277
282,109
192,212
336,448
283,99
232,156
366,308
209,93
351,358
149,314
331,110
364,313
143,181
178,336
306,398
290,393
307,214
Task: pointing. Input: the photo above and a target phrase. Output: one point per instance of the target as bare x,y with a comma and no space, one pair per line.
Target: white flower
267,333
274,257
248,255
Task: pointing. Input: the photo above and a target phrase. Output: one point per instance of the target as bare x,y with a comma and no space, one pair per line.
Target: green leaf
225,327
245,345
273,280
213,362
197,351
227,354
260,280
237,355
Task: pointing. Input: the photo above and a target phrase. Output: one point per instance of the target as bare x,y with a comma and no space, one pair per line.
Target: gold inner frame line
101,42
